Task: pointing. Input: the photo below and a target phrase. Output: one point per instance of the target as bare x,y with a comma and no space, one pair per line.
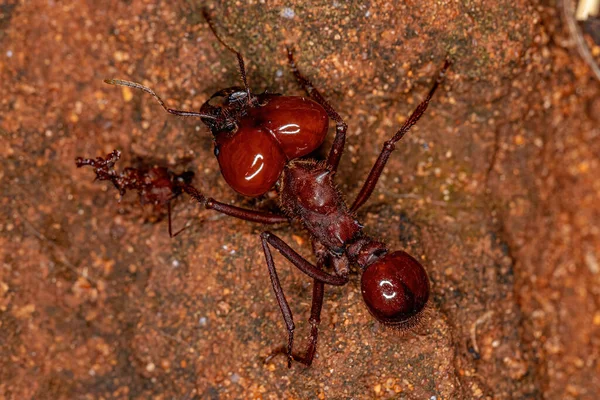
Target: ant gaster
259,139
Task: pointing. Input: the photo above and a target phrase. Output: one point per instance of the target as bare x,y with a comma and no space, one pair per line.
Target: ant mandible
259,139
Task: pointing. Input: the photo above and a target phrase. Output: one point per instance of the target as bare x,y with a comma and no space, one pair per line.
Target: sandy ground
496,191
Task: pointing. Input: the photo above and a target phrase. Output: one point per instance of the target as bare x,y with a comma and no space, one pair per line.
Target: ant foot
302,359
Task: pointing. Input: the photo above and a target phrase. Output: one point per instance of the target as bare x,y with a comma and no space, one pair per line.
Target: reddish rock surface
495,190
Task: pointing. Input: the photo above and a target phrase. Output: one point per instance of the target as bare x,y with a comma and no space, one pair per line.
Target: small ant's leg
335,154
169,215
171,234
135,85
231,49
299,262
389,146
233,211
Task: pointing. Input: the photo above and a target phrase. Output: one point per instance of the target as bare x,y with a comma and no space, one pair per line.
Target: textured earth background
496,190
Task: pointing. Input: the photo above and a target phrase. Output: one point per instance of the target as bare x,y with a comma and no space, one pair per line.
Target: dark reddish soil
496,190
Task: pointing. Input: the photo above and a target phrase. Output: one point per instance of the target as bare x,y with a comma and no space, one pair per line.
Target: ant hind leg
320,278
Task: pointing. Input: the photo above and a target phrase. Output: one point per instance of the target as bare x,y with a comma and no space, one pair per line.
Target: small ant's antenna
239,56
182,113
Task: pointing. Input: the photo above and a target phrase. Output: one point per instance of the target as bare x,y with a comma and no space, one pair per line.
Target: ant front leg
312,271
233,211
335,154
390,145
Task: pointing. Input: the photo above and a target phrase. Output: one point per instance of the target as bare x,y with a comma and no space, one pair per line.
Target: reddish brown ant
259,139
157,185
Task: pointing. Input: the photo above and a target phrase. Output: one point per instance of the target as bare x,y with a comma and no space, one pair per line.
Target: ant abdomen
395,289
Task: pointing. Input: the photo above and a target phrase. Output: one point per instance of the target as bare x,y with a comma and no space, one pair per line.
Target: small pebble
288,13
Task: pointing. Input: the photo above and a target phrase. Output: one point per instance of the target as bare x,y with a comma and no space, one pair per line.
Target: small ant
157,185
259,140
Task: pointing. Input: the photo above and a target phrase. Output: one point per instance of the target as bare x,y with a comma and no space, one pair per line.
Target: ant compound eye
395,289
216,150
237,96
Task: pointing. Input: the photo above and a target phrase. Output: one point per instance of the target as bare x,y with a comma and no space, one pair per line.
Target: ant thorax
309,194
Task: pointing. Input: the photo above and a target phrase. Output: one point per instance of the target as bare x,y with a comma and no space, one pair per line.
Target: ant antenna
182,113
239,56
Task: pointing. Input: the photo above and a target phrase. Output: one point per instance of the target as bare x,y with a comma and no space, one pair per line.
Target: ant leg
299,262
315,314
171,234
181,113
231,49
315,309
233,211
335,154
389,146
314,320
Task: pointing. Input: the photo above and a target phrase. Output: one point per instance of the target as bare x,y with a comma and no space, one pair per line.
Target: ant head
395,288
226,107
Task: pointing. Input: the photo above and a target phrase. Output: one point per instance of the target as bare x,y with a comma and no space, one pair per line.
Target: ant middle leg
319,276
335,154
390,145
307,357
